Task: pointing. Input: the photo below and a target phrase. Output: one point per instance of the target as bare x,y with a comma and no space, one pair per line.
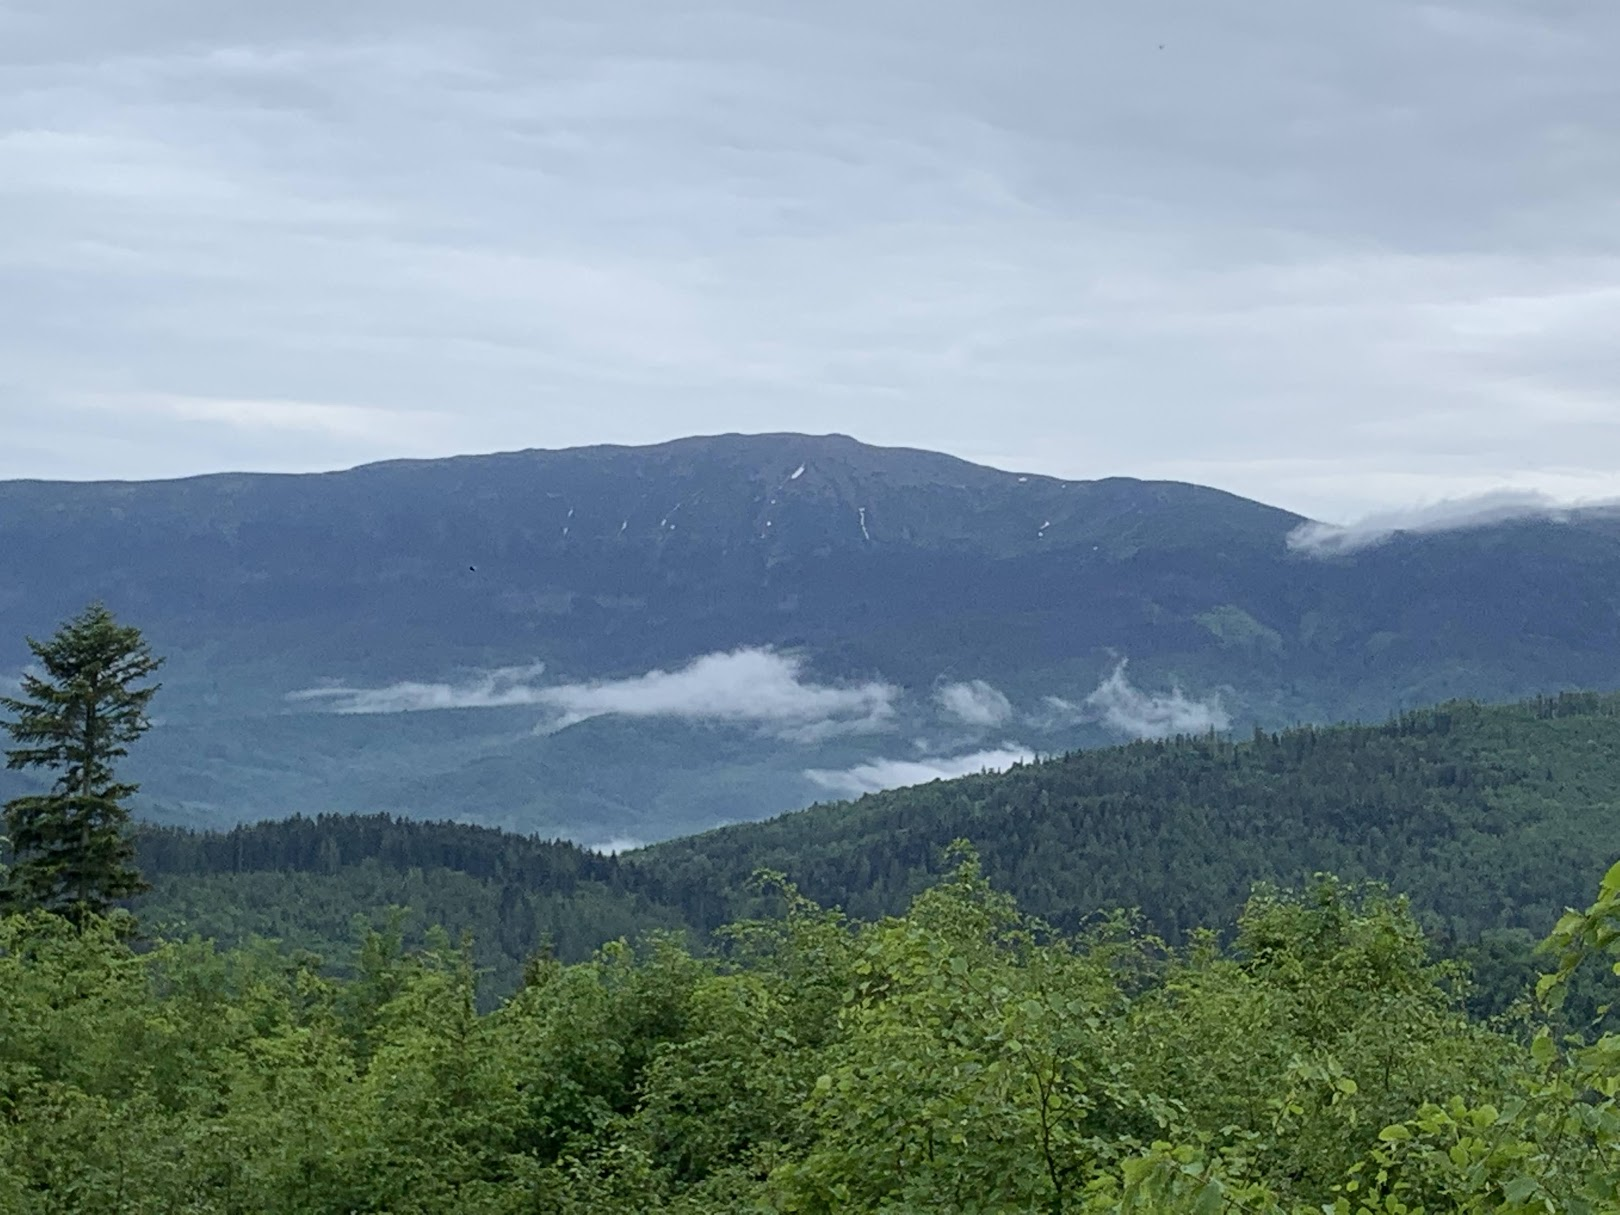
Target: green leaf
1520,1189
1542,1049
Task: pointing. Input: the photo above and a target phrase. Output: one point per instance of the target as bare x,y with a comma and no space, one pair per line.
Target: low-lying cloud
1126,709
751,686
974,703
615,845
1452,514
878,774
504,687
756,686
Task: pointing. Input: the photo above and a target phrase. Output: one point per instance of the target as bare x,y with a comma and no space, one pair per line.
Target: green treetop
74,719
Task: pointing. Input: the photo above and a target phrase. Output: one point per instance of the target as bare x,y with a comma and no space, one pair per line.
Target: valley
1492,819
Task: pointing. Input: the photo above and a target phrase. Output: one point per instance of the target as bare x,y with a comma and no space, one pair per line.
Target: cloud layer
975,703
616,844
753,687
763,688
1128,710
504,687
879,774
1344,257
1457,514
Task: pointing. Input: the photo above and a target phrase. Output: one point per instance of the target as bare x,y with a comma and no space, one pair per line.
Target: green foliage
961,1056
72,852
1549,1141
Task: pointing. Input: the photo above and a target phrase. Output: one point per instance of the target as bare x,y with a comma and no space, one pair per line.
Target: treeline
307,882
961,1057
329,842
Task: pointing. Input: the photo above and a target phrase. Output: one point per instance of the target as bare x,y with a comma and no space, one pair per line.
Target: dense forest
1492,819
307,881
1487,815
961,1057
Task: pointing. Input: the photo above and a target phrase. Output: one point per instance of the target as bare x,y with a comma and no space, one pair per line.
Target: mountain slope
732,540
518,604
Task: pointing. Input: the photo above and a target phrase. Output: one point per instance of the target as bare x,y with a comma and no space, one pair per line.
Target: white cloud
1454,514
757,687
975,703
312,417
615,845
1126,709
877,774
504,687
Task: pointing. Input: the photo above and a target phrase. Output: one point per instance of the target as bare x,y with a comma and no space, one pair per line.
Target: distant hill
1492,818
473,638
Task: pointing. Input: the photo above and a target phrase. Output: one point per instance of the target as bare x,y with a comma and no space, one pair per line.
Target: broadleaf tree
74,717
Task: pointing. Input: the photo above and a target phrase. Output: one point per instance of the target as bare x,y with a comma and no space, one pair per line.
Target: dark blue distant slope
872,563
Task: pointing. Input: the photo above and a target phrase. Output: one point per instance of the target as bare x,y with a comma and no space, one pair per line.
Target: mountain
1492,818
625,644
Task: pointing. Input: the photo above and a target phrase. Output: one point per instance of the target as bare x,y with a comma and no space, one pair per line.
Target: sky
1347,259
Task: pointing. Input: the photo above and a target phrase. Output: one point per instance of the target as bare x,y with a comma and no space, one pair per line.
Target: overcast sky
1340,257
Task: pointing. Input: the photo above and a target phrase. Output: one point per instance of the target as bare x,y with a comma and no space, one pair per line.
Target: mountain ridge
615,573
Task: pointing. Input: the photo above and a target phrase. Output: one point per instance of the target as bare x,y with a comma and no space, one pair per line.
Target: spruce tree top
77,717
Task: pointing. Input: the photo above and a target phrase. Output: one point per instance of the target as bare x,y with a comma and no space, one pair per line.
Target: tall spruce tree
72,852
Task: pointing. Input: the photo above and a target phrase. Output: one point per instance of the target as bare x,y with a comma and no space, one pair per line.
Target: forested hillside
307,882
1492,818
